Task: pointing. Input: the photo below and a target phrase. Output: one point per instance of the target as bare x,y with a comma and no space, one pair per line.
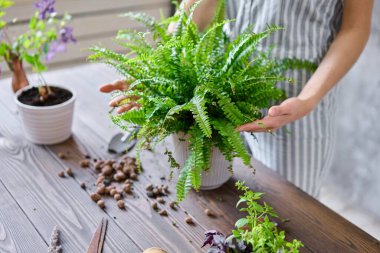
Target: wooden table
33,199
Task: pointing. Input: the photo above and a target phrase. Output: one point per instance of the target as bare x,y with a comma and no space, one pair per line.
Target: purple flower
45,7
54,48
65,36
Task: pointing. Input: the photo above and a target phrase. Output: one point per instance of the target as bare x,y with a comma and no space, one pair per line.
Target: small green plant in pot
45,110
197,85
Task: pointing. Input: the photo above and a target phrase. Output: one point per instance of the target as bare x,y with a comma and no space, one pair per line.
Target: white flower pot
216,176
46,124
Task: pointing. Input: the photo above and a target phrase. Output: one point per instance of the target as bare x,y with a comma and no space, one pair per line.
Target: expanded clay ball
129,181
128,188
209,213
117,196
95,197
101,204
155,205
101,189
99,165
100,179
121,204
133,176
85,163
189,220
119,176
61,155
173,205
163,213
61,174
113,192
149,187
107,170
161,200
155,191
69,172
154,250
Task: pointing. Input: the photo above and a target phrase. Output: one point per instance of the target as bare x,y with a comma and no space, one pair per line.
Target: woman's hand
123,102
288,111
355,28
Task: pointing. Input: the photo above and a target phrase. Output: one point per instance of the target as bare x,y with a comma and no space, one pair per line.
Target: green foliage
4,4
34,44
198,83
256,230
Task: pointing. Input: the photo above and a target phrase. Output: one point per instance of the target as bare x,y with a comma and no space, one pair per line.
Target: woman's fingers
126,107
116,85
267,124
116,101
122,102
119,99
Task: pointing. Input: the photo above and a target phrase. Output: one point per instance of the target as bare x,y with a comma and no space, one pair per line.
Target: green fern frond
150,23
198,83
133,116
246,46
200,114
235,140
197,144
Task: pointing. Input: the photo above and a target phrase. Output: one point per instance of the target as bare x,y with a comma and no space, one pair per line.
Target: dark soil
32,97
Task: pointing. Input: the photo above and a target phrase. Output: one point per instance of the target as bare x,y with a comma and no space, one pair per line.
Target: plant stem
11,54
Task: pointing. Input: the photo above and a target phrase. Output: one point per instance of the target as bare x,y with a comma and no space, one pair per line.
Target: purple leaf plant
219,243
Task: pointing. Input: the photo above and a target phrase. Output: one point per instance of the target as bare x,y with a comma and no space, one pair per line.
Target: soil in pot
32,97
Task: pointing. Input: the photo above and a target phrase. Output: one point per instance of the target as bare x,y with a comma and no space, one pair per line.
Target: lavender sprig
55,245
66,36
45,7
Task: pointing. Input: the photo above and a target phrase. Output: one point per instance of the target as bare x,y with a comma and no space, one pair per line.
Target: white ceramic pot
216,176
46,124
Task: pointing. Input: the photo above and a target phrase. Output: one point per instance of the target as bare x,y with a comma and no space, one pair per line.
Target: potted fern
197,87
46,110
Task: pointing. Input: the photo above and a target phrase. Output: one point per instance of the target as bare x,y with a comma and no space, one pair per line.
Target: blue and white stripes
301,151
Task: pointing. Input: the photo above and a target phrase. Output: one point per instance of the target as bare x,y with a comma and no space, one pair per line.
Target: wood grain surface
17,234
32,189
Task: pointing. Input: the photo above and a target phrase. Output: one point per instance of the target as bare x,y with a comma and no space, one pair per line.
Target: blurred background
352,188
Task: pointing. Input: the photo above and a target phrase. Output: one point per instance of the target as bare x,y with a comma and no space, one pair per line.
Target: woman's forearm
343,52
204,13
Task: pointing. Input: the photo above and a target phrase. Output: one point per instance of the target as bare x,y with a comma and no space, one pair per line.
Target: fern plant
199,83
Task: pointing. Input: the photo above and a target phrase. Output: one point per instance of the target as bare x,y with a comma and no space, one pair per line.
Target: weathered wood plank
17,234
318,227
141,222
30,175
279,193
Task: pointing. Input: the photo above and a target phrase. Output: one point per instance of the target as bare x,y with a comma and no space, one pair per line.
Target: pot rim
41,108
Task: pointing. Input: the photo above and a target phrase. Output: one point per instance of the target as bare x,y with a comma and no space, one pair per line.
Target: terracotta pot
216,176
19,79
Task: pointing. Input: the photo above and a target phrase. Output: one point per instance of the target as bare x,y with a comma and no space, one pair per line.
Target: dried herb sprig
55,244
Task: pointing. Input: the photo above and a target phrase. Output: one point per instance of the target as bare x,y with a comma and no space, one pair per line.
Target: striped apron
301,151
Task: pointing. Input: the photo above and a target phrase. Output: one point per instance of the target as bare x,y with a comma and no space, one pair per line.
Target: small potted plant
253,233
197,87
46,110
